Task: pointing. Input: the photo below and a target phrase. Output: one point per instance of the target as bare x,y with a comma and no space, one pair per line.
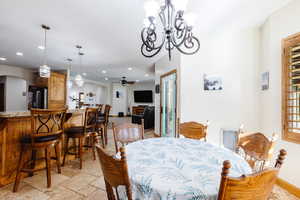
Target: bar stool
100,106
87,131
99,125
102,122
46,131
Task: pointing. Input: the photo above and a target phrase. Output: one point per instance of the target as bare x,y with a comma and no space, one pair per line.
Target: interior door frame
174,71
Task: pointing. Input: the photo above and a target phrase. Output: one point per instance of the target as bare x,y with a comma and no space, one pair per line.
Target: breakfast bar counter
13,126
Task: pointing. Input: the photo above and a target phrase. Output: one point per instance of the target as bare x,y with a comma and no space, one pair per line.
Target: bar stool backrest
90,119
100,107
47,122
106,113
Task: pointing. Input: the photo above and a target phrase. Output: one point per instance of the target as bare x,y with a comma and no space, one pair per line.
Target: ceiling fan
124,82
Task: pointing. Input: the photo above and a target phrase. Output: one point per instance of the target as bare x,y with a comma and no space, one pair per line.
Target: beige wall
240,57
17,82
101,91
19,72
16,94
233,56
280,25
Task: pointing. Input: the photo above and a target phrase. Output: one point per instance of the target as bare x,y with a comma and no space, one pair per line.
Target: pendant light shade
70,82
78,78
45,69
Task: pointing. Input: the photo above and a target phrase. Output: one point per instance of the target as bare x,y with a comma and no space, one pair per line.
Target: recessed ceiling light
84,74
19,54
103,71
41,47
129,68
2,59
146,75
106,78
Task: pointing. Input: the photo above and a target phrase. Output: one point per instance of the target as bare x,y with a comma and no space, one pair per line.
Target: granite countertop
12,114
26,113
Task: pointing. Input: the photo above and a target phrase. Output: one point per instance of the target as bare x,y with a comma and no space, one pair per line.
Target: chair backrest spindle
256,186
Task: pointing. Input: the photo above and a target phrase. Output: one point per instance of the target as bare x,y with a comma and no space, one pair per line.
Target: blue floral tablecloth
178,169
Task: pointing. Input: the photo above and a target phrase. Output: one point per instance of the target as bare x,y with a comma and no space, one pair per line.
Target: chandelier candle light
45,69
177,31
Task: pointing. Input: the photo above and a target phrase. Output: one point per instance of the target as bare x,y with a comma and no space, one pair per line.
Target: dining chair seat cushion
77,130
27,139
100,120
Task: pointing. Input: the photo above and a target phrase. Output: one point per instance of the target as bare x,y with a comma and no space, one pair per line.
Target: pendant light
70,82
45,69
78,78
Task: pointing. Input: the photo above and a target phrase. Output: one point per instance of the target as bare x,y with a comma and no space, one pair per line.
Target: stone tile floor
76,184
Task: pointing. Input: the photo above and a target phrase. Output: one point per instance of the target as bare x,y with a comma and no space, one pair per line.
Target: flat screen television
143,96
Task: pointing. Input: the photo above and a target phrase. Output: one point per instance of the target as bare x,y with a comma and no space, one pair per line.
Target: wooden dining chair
127,133
256,148
100,107
257,186
115,173
103,122
100,126
47,127
192,130
87,131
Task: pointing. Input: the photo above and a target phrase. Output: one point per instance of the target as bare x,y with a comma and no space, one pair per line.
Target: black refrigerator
38,97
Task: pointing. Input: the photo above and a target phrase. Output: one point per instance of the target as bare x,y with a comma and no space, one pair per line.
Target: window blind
293,101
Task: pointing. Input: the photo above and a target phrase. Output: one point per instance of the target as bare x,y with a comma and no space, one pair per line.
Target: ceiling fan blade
130,82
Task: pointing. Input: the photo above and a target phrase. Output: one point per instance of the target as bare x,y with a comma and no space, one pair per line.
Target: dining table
178,169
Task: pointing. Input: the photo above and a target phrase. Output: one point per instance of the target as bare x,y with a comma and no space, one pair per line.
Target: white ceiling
108,30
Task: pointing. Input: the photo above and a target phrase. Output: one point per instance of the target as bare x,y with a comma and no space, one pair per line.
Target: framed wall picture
265,81
212,82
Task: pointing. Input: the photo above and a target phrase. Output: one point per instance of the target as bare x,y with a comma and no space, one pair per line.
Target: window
291,88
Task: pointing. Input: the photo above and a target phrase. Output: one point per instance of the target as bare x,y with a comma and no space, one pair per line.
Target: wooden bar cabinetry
12,128
56,85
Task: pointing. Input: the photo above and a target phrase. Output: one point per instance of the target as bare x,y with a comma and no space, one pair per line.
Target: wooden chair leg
33,161
66,151
100,135
102,139
75,147
18,175
57,154
94,140
80,151
105,134
48,166
128,192
109,191
117,193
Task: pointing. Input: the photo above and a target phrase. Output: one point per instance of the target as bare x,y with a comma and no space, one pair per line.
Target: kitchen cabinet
56,85
56,90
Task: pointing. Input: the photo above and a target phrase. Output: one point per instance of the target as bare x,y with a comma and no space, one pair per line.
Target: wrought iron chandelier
177,29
